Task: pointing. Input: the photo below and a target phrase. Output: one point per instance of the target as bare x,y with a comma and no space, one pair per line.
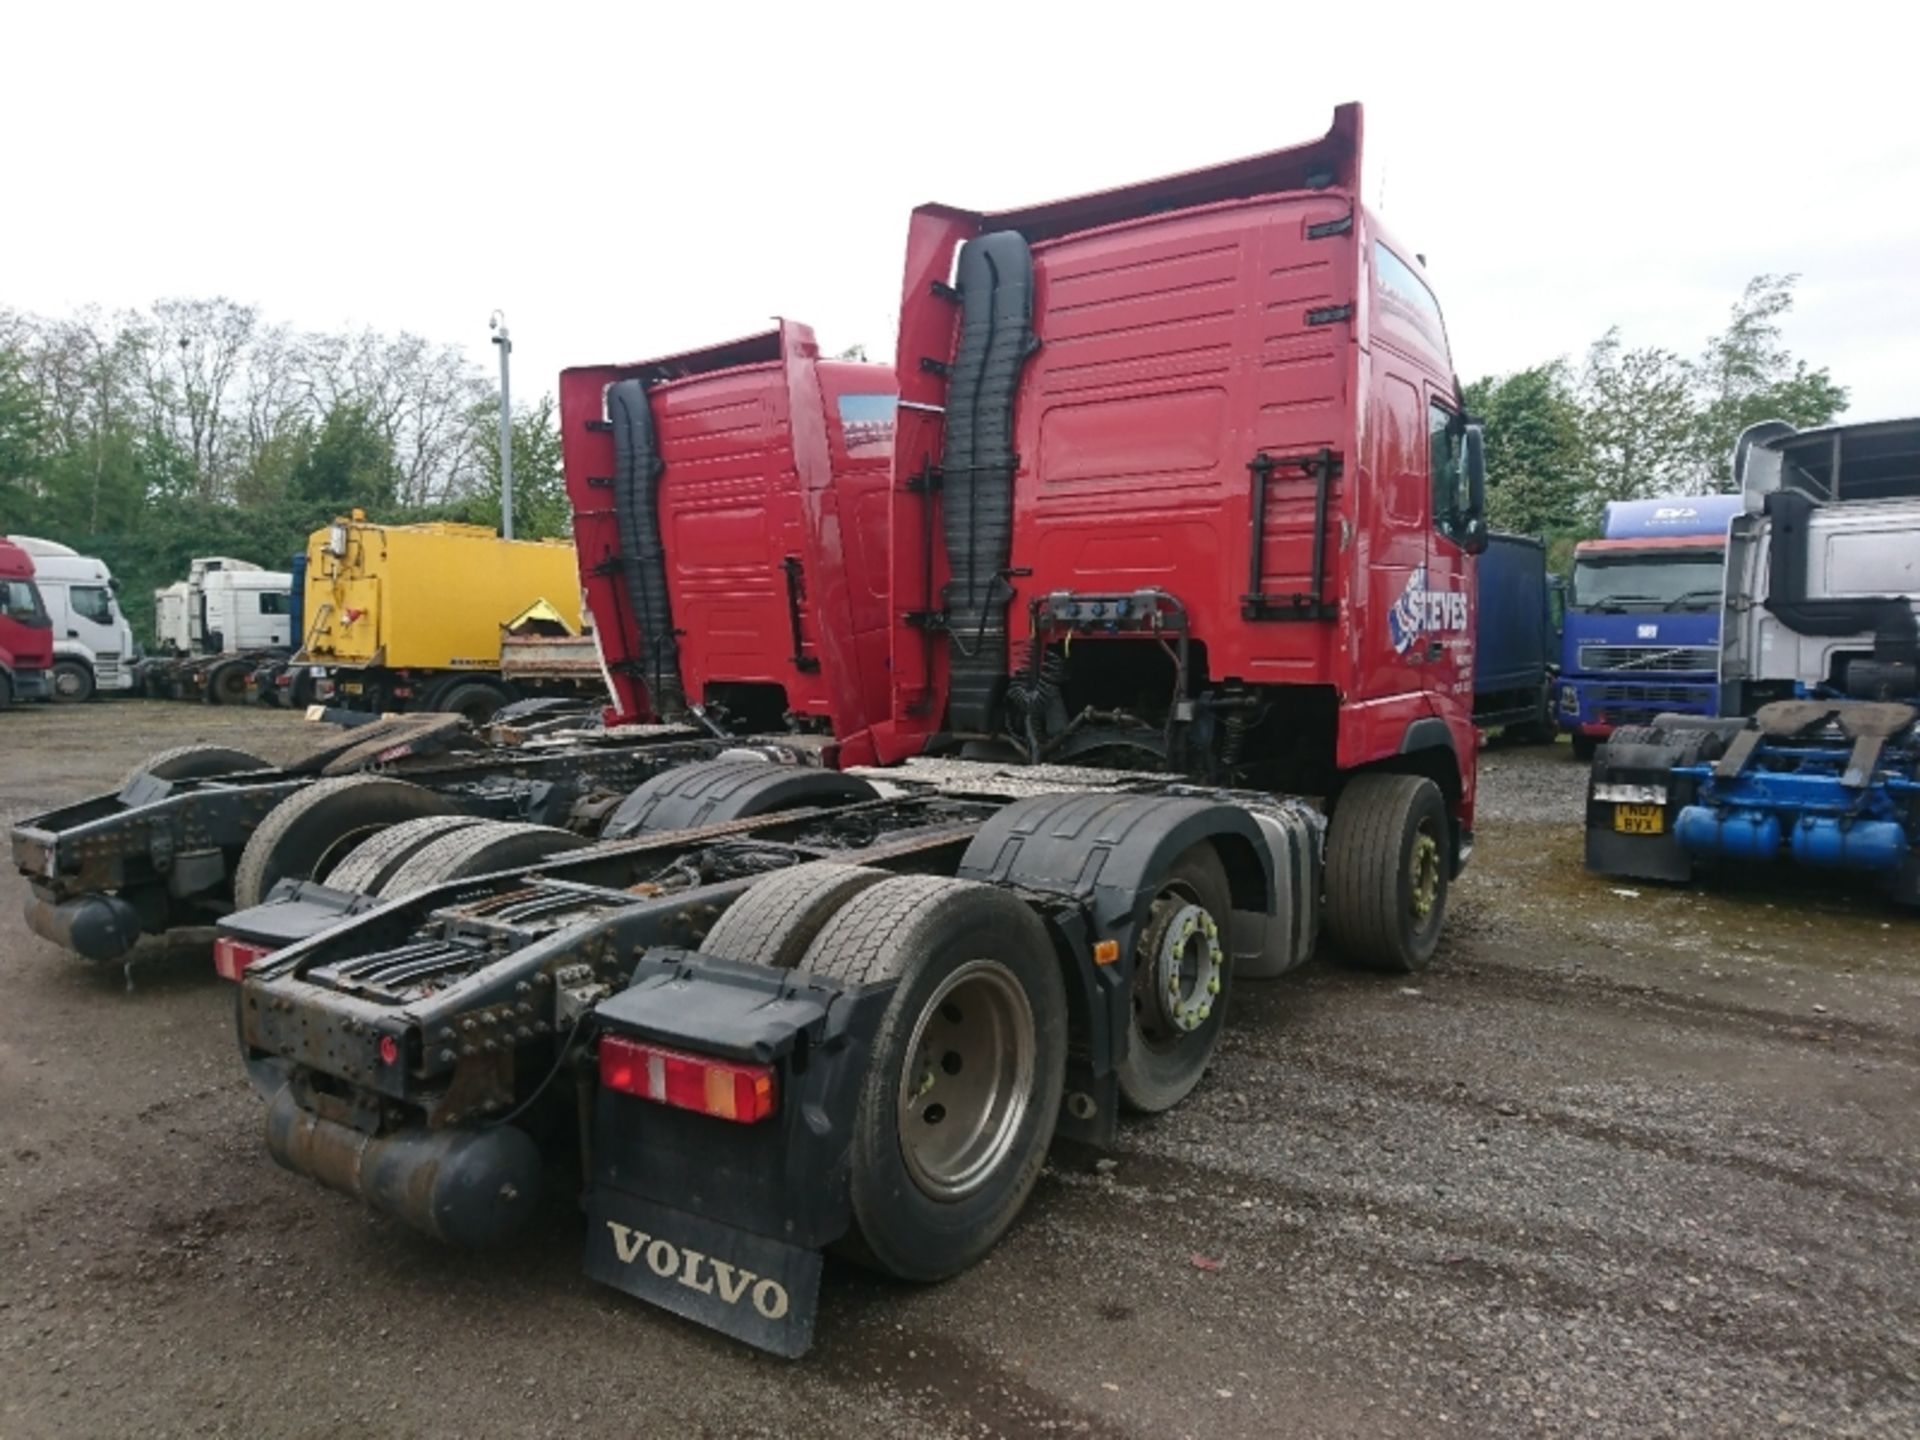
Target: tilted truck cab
730,517
1181,483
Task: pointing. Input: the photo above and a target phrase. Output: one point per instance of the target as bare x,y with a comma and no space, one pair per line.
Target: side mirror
1473,528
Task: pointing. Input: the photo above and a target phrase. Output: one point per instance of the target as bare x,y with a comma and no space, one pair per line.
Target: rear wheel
72,682
496,845
195,762
1180,979
313,830
472,700
374,860
774,922
227,685
1388,864
958,1106
6,690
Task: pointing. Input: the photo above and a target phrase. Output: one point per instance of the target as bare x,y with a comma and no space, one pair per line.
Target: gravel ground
1626,1161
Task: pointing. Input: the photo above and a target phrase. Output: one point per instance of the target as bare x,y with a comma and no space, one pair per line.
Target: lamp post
498,324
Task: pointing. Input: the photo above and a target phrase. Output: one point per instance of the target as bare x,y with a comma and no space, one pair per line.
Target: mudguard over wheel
1389,858
1180,979
390,728
312,830
420,734
374,860
496,845
958,1106
195,762
775,921
714,791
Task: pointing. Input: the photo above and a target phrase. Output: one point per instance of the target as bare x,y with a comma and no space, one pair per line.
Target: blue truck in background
1642,630
1816,764
1515,640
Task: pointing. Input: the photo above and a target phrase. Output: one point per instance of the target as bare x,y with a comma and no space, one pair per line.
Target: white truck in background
214,627
93,646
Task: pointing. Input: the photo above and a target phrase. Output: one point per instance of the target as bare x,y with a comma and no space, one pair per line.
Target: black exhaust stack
977,465
643,558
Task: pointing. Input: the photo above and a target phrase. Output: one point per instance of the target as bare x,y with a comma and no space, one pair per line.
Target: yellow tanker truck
411,617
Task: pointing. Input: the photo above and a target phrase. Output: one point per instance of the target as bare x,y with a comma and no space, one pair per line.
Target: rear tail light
721,1088
233,958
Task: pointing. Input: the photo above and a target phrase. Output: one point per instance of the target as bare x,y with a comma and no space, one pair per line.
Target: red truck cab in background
26,631
1183,482
730,513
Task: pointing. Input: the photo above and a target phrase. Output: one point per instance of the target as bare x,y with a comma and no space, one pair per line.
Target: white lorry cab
236,610
171,606
93,646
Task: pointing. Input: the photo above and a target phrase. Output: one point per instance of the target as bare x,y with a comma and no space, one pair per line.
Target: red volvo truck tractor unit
1182,514
730,510
1183,481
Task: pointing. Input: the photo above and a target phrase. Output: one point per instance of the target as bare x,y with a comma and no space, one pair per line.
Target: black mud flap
743,1285
1633,784
719,1222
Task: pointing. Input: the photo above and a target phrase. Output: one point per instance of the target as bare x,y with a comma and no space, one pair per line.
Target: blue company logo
1420,610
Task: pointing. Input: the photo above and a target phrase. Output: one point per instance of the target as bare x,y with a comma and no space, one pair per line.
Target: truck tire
72,682
6,691
374,860
312,830
714,791
775,921
1180,978
974,1034
1388,863
474,701
1584,746
195,762
496,845
227,684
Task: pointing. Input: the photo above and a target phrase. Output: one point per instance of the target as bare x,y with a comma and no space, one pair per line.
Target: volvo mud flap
745,1285
722,1220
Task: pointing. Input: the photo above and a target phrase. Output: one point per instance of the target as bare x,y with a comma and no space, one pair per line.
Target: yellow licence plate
1639,819
354,687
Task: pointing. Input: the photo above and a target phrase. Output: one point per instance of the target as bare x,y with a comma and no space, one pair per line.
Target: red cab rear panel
764,472
1228,415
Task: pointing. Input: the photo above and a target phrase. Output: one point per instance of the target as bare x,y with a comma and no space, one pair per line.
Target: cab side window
91,602
1447,471
273,602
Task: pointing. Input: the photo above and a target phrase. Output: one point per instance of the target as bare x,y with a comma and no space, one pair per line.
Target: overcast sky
631,180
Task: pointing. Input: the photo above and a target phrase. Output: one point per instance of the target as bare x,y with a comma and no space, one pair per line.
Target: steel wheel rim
1423,875
968,1078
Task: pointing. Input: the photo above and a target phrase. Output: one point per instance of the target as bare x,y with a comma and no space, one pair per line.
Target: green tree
20,437
1639,430
349,464
1746,374
540,508
1535,458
